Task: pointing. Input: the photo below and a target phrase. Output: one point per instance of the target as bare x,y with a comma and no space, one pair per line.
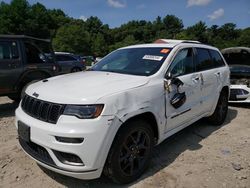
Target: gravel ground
199,156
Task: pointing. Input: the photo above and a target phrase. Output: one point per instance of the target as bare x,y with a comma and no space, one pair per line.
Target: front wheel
130,153
220,113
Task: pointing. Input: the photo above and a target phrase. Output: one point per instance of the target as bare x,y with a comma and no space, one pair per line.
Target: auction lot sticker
152,57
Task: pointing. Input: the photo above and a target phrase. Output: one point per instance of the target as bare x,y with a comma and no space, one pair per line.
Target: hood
84,87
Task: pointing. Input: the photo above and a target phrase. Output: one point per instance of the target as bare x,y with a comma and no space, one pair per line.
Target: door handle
196,78
217,73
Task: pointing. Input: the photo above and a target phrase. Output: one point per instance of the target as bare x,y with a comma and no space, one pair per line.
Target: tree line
92,37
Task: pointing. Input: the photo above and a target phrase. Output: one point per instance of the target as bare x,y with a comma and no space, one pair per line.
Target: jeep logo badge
35,94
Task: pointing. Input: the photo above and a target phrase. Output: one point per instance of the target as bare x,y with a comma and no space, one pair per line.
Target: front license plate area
23,131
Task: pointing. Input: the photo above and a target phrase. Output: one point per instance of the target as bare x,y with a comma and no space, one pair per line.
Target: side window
64,58
69,58
34,55
216,57
203,60
182,63
8,50
59,58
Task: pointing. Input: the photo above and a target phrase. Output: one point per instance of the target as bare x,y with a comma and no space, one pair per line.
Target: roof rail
24,37
173,41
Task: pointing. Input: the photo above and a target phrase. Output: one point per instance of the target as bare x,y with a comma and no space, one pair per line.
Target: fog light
68,158
69,140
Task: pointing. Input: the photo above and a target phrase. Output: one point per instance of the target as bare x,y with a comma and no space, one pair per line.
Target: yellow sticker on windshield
165,51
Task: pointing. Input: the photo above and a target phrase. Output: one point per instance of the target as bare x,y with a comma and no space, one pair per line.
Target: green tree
244,39
198,32
173,25
72,38
99,46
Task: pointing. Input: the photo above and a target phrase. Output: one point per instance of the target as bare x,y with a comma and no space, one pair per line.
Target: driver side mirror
169,76
179,98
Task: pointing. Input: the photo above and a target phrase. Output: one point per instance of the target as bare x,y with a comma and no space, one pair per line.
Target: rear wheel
15,97
76,69
220,113
130,153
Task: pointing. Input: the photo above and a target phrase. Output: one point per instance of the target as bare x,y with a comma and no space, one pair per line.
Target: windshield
242,58
135,61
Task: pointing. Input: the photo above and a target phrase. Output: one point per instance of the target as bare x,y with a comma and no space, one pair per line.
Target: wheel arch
226,89
145,116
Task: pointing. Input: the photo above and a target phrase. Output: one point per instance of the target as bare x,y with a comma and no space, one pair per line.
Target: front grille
42,110
37,152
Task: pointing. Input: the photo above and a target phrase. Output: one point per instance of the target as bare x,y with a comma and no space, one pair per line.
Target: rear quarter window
217,59
8,50
203,60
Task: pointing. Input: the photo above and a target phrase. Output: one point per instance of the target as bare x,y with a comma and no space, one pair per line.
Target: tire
220,112
76,69
130,152
15,97
18,96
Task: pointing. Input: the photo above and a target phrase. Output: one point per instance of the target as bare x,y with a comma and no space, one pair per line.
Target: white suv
109,118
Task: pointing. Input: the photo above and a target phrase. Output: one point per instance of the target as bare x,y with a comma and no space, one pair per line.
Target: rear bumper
239,94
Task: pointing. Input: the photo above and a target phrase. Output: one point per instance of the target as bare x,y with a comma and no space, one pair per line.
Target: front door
182,68
10,65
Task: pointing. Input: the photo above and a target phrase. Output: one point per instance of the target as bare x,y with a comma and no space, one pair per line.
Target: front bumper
239,94
97,137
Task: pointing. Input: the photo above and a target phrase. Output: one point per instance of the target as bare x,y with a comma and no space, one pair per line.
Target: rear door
66,62
182,67
210,79
10,65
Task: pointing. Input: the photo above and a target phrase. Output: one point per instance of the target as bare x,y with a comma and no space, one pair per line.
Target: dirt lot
199,156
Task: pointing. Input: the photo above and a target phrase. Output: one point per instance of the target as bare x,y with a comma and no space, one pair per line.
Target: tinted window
203,60
64,58
136,61
235,57
182,63
33,54
8,50
217,60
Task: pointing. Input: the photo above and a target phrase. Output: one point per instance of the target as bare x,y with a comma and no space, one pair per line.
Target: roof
23,37
235,50
168,41
63,53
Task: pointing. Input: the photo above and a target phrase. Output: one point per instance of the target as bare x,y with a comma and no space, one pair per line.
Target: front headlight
84,111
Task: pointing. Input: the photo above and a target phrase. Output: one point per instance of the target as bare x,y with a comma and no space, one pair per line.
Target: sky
117,12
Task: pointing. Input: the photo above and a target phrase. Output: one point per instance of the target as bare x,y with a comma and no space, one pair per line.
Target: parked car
23,61
97,59
109,118
238,59
69,62
89,60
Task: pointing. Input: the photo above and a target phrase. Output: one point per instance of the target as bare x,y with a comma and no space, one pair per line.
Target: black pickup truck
24,60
